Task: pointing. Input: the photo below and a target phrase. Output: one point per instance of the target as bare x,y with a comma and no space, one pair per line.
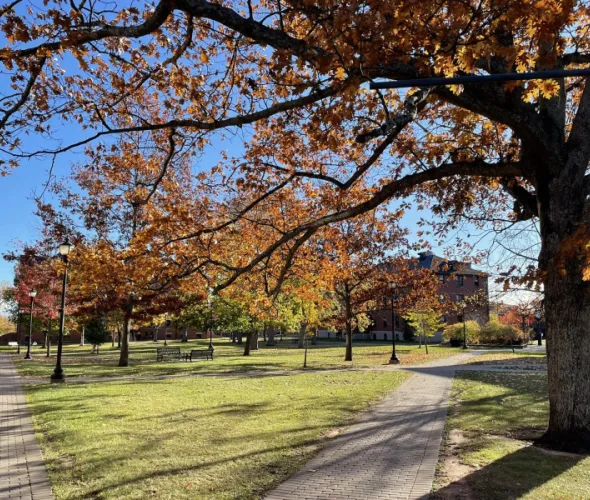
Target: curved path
22,470
390,452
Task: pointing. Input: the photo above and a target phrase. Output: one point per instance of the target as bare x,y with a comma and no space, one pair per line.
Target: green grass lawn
518,359
494,419
78,362
217,437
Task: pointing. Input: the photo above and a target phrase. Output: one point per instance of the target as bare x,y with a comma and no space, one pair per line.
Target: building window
476,280
384,323
460,297
441,278
459,280
459,318
443,318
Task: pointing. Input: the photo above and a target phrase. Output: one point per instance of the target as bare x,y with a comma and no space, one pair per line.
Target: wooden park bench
199,353
167,352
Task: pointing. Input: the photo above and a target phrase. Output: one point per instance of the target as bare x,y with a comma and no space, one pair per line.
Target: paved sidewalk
22,470
391,452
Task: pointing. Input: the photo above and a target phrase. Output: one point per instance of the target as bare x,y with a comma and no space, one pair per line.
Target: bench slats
199,353
167,352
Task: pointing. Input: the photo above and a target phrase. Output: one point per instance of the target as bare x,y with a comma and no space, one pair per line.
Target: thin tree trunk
48,339
240,337
348,333
124,357
302,332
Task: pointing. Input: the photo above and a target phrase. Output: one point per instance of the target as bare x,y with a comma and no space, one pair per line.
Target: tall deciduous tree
123,201
298,72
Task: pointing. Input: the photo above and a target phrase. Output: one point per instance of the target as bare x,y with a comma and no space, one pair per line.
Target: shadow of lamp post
58,374
32,294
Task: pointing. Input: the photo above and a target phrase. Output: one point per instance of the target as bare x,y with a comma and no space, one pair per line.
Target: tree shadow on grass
510,477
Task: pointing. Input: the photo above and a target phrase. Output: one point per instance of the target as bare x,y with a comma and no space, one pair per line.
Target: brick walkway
22,470
391,452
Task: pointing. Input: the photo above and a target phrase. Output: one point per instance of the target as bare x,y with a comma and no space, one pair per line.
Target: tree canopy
319,147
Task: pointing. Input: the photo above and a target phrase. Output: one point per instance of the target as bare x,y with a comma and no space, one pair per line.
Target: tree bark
124,356
254,341
348,327
563,214
302,332
249,336
270,336
48,339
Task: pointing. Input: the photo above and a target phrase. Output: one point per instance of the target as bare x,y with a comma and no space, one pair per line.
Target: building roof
428,260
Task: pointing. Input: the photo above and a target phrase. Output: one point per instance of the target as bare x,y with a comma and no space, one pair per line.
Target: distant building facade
458,282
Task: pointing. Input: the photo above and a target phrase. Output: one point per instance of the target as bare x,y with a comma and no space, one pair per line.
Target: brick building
457,281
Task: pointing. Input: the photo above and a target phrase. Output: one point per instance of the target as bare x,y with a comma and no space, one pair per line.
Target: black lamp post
58,374
394,360
538,320
210,306
18,318
32,294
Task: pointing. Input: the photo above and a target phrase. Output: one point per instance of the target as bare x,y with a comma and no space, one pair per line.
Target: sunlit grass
78,362
217,437
499,415
519,359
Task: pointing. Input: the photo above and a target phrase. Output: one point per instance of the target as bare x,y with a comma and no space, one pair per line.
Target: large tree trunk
567,306
348,327
254,341
247,346
270,336
302,332
124,357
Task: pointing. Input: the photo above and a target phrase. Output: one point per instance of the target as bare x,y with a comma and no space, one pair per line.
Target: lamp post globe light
538,320
64,250
32,295
394,360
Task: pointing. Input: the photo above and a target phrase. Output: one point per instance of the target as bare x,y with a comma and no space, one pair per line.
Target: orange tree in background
298,72
123,200
36,269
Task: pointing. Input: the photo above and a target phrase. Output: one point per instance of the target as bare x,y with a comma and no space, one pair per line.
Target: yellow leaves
340,74
549,88
204,57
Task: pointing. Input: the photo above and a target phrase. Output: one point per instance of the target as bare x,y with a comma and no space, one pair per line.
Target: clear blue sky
17,207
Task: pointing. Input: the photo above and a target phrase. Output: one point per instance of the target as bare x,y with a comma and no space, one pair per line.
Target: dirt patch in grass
452,473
